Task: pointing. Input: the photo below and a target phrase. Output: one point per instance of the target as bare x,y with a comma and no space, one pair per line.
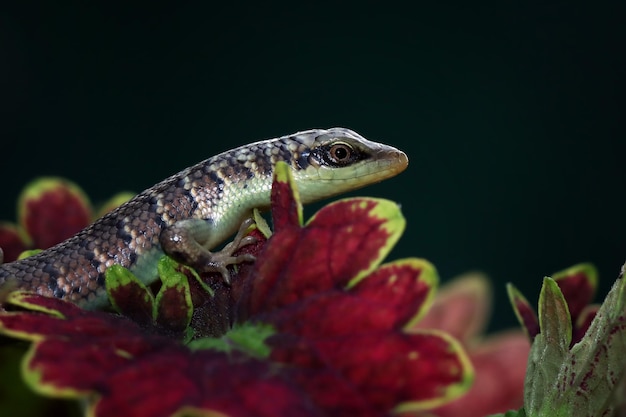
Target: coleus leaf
513,413
524,311
129,296
578,285
581,380
77,352
339,328
12,241
461,308
319,285
171,310
52,209
549,348
341,244
174,308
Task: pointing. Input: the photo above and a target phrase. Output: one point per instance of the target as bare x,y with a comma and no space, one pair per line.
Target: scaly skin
196,209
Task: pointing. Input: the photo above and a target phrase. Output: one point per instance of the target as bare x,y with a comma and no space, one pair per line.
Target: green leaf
554,318
261,224
580,381
247,337
548,350
512,413
597,363
29,252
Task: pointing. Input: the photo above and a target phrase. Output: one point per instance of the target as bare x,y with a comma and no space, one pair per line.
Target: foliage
316,326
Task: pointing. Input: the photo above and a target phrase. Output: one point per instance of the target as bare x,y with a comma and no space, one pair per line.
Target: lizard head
333,161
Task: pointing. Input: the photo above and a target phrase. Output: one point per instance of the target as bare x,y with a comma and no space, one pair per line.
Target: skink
193,211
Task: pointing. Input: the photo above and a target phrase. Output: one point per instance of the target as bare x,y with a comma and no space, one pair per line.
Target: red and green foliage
462,308
49,210
576,365
315,327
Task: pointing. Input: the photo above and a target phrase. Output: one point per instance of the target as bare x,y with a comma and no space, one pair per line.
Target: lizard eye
341,153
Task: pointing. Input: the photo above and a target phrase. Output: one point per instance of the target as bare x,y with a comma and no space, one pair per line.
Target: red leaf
386,369
53,209
341,344
11,242
386,300
583,321
286,207
342,242
461,307
129,296
173,309
500,363
524,311
137,374
334,312
578,285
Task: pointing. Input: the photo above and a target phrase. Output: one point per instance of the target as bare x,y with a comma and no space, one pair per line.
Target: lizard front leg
186,241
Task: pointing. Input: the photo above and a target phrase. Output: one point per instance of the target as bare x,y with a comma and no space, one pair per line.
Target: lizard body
198,208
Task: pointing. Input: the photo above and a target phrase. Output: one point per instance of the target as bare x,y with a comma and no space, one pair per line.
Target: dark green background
512,115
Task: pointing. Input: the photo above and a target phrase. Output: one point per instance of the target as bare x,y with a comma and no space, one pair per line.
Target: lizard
190,213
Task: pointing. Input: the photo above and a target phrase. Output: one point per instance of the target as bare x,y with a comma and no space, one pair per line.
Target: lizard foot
222,259
182,241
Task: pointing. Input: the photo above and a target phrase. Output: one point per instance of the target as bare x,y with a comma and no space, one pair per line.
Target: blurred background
509,113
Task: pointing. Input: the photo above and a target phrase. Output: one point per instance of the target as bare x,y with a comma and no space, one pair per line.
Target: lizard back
221,190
